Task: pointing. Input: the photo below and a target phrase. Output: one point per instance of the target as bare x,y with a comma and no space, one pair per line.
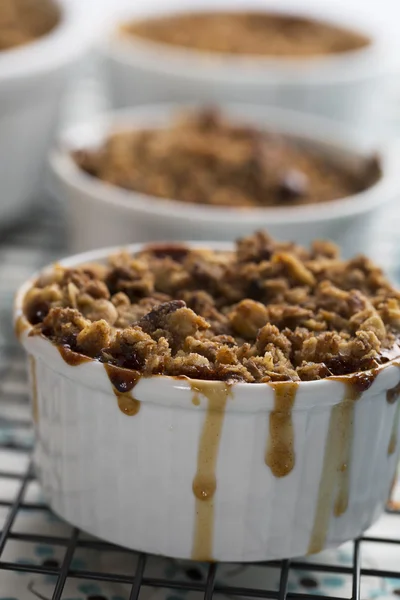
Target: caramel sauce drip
127,404
280,454
336,467
358,383
355,385
73,359
20,326
35,403
393,394
393,437
123,382
392,444
392,504
204,482
195,398
345,442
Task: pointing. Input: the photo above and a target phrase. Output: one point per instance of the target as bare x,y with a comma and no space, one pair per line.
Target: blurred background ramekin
102,214
352,86
33,80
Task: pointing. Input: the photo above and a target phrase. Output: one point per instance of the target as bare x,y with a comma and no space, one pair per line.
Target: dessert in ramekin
215,403
203,157
249,33
266,168
25,21
37,56
334,62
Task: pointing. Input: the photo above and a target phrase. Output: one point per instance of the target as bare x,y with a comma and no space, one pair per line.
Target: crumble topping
267,311
23,21
204,158
248,33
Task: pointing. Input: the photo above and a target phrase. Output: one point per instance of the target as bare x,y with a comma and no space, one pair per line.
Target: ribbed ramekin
124,216
33,82
208,470
352,86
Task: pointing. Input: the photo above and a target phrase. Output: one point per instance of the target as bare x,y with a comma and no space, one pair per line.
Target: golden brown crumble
267,311
23,21
248,33
204,158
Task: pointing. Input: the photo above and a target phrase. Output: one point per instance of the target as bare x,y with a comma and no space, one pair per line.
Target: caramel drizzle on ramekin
280,453
336,466
279,456
392,397
34,390
73,359
20,326
123,382
205,483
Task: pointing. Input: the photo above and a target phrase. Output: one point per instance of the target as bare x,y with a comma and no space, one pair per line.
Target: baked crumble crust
248,33
267,311
205,158
23,21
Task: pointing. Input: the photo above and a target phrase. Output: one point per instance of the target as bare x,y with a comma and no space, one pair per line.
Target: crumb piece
94,338
101,309
248,317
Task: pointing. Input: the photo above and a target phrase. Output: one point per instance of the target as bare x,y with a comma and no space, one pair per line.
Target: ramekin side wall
355,101
129,479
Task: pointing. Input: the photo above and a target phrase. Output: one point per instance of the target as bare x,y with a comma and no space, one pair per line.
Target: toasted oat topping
248,33
267,311
205,158
22,21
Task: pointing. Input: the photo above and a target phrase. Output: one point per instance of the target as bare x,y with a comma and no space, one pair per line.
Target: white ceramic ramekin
100,214
352,86
131,479
33,79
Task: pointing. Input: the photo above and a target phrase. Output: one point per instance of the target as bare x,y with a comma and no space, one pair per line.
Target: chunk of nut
93,338
296,269
101,309
248,317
